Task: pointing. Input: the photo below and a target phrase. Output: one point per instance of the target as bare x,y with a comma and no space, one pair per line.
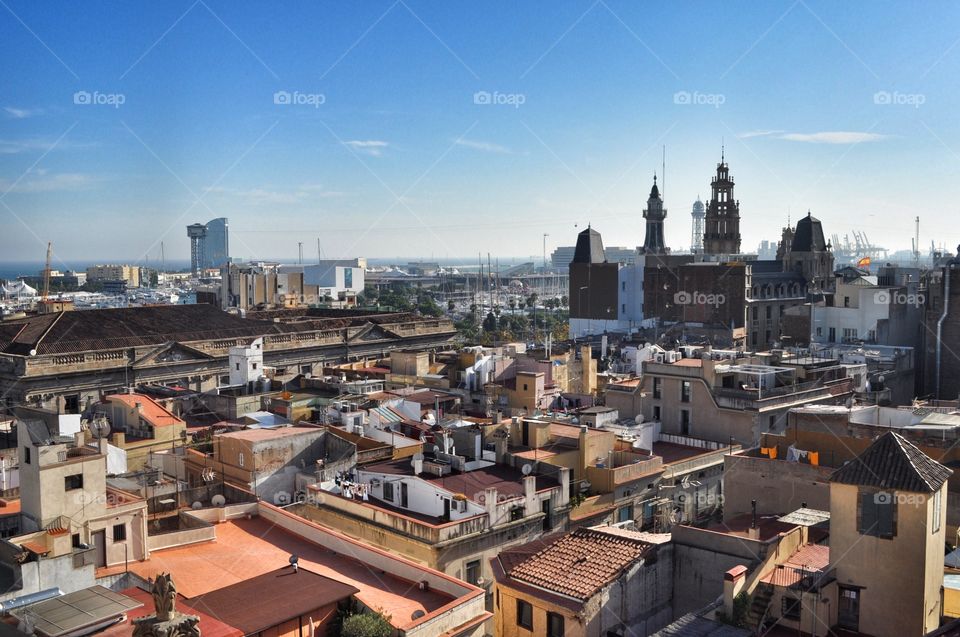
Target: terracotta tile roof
810,559
581,563
892,462
151,411
35,547
9,507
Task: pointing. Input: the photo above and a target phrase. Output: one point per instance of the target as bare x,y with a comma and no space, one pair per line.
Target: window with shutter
877,512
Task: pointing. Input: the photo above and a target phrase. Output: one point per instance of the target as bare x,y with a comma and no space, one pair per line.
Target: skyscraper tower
696,236
655,213
721,234
209,244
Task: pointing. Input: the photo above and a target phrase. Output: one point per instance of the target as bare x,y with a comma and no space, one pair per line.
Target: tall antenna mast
663,174
916,243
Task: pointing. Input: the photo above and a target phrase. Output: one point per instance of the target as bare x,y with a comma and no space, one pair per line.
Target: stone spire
655,213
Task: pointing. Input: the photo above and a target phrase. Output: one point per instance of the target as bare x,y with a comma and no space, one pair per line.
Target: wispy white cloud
372,147
821,137
15,146
42,181
833,137
488,147
18,113
759,133
269,197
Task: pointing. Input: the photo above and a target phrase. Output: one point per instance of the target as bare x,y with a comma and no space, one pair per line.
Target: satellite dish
293,559
526,469
218,500
418,457
417,614
639,419
196,506
436,449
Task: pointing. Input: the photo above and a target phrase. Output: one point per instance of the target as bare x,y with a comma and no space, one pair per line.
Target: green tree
366,625
427,305
490,323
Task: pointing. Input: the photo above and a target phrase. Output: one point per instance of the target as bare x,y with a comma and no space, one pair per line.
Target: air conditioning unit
658,357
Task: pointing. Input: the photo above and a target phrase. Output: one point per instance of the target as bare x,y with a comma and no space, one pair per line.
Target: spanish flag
864,262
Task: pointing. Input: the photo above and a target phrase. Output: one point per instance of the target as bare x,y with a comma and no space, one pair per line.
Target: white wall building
246,363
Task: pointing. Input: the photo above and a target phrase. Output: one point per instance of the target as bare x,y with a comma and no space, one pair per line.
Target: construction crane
46,274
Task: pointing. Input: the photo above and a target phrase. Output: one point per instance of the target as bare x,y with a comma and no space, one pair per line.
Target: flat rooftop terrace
507,480
769,526
672,452
249,548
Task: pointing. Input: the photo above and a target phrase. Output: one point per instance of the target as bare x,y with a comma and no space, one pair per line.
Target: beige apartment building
66,503
886,539
128,273
724,396
881,571
141,426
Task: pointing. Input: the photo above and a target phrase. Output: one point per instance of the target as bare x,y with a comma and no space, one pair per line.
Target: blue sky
848,109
